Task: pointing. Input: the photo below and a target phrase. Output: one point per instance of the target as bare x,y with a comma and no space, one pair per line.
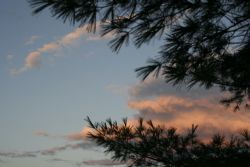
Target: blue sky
53,75
53,91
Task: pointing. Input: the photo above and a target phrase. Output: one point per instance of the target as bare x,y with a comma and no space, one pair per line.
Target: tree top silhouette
203,42
147,144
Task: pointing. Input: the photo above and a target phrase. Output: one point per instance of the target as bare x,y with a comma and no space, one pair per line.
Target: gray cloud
48,152
41,133
158,87
54,150
18,155
60,160
57,160
102,162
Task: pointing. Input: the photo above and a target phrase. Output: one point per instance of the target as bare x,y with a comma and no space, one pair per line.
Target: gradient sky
53,92
54,74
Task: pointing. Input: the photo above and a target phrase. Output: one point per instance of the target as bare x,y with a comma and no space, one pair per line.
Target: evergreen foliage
204,42
147,144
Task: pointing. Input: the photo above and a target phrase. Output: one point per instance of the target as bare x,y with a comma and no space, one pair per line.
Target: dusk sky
54,75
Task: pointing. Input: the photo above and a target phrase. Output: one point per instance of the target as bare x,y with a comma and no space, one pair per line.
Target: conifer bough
204,42
147,144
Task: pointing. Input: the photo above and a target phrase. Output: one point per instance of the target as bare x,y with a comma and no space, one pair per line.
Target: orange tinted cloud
182,112
32,60
170,104
179,107
49,47
79,135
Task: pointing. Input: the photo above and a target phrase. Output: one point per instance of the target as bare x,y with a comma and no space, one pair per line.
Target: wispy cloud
48,152
76,136
57,160
41,133
54,150
60,160
17,154
102,162
73,36
173,104
34,58
32,39
65,161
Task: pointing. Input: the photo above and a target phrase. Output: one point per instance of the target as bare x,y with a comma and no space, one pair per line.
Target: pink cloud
49,47
163,104
33,59
182,112
79,135
73,36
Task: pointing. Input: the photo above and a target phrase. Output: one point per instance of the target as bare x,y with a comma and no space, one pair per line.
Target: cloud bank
156,100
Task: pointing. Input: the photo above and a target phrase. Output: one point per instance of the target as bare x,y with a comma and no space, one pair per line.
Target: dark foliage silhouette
204,42
147,144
